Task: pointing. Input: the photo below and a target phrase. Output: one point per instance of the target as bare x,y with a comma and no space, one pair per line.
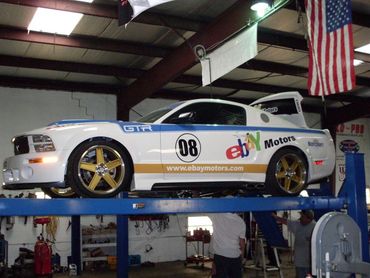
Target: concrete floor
178,270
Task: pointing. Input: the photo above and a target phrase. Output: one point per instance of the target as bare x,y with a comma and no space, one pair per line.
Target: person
302,230
227,244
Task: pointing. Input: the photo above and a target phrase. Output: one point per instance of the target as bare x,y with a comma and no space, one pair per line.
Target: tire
55,192
286,173
99,169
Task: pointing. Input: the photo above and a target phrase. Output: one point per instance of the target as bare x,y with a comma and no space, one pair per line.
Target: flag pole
324,110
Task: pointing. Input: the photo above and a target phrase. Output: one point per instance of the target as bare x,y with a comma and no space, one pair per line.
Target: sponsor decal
354,129
315,143
137,128
200,168
349,146
271,110
279,141
243,148
187,147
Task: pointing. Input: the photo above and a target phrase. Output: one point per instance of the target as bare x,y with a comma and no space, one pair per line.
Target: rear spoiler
286,105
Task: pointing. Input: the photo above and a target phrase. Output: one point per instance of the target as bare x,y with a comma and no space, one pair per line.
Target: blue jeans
227,267
301,272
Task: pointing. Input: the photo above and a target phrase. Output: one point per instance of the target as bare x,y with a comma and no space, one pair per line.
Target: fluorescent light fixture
54,21
364,49
88,1
261,6
357,62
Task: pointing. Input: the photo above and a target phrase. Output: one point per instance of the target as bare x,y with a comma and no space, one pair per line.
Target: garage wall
25,109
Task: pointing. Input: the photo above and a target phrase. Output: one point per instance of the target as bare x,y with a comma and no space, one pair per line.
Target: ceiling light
88,1
364,49
54,21
261,6
357,62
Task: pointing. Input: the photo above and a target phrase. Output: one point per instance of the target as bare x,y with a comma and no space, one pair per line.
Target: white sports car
196,144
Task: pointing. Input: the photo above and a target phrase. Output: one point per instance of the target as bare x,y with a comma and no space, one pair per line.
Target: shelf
95,259
99,235
94,245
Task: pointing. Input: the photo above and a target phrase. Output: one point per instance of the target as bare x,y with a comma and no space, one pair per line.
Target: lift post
354,191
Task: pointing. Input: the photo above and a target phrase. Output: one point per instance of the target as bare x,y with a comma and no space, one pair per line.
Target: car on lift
191,145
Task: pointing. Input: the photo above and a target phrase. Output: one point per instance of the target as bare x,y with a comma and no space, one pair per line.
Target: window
278,107
209,113
197,222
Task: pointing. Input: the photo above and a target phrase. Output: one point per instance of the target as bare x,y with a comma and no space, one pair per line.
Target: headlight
42,143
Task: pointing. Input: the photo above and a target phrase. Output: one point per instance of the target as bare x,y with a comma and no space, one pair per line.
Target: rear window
277,107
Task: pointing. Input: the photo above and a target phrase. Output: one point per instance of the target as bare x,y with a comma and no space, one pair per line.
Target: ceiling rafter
265,36
14,61
59,85
110,11
80,41
348,113
358,18
268,36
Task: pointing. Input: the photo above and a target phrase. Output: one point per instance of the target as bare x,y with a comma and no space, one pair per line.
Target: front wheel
287,173
55,192
99,169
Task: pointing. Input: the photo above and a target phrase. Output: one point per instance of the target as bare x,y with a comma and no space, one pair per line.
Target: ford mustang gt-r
203,143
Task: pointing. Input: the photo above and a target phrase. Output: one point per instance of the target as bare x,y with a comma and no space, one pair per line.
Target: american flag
331,67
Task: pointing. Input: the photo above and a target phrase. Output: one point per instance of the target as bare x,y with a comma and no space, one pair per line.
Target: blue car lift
352,197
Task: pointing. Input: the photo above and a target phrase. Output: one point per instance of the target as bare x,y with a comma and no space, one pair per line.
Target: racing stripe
199,168
144,128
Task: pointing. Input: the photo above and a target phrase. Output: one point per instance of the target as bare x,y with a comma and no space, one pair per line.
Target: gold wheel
291,173
55,192
101,170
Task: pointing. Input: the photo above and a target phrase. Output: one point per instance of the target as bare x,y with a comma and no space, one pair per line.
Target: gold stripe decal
199,168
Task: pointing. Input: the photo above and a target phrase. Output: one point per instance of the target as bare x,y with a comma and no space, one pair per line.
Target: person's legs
301,272
235,269
221,266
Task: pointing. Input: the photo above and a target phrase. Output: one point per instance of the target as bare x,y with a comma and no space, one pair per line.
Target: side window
209,113
231,115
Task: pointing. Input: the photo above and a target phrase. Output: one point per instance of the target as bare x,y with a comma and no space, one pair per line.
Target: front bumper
20,172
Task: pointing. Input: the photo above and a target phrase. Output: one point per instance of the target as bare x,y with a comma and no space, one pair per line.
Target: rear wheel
287,173
55,192
99,169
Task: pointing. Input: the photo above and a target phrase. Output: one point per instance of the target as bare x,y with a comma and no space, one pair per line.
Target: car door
200,141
